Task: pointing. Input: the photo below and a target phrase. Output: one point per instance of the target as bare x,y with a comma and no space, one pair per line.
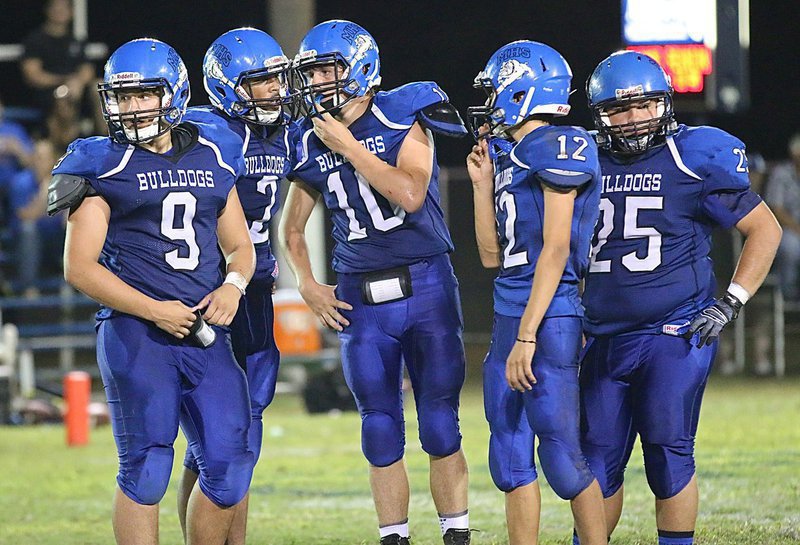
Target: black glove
709,323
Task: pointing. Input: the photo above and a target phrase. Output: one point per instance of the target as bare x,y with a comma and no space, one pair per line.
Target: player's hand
322,301
519,367
480,167
712,319
172,316
332,132
220,305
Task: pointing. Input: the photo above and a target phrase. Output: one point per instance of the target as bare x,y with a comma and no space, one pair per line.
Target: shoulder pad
401,105
443,118
67,191
715,156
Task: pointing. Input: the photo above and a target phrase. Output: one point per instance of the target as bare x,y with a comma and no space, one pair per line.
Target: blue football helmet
243,57
619,81
521,79
143,66
352,55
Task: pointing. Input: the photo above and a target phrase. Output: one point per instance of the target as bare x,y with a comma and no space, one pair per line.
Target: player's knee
669,468
511,462
190,462
508,478
438,428
382,438
255,436
145,480
566,469
226,482
609,476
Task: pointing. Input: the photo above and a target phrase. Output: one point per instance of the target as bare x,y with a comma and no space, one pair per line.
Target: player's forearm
486,230
398,186
242,260
758,252
108,289
295,250
549,270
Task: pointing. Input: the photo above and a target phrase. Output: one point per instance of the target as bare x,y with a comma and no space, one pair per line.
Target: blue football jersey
268,158
162,233
564,158
650,270
370,233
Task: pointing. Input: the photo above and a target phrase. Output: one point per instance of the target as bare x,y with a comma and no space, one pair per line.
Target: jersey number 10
379,221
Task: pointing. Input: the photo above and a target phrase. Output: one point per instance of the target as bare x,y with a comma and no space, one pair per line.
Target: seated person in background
16,148
783,196
39,238
54,58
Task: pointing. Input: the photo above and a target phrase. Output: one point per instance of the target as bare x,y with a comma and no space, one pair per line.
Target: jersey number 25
631,230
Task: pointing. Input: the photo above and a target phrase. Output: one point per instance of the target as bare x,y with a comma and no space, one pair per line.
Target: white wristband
238,280
739,292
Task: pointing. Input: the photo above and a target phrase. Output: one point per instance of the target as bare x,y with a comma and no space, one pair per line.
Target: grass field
311,484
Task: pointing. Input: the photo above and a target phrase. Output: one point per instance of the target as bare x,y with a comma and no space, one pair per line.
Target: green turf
311,484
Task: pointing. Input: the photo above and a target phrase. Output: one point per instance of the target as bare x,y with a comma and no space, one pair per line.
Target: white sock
460,521
401,528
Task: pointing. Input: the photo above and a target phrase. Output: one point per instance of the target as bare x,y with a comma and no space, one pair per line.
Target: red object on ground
77,390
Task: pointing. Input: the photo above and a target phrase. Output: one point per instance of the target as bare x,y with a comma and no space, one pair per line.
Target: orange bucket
296,328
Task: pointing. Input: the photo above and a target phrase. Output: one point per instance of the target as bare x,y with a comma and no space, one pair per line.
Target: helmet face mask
626,81
487,115
348,59
335,91
635,137
247,76
148,72
279,107
139,125
522,79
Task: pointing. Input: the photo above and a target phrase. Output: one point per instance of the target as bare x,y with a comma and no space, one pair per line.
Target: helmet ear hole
365,69
518,96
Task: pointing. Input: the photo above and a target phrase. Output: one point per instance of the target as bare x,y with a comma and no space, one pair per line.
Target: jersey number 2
185,232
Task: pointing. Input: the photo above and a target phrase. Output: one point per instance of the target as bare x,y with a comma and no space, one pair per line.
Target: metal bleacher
40,337
61,324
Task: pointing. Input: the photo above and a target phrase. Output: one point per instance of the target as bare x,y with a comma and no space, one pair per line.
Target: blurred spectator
16,148
757,167
54,59
39,238
783,196
758,316
62,124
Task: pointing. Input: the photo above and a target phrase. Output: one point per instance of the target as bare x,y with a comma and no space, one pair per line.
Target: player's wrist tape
527,341
739,292
238,280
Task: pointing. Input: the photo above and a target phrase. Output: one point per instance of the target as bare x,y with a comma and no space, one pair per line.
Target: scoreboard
701,44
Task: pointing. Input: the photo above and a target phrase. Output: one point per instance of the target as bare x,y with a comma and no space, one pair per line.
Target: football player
651,317
371,155
536,189
150,208
246,76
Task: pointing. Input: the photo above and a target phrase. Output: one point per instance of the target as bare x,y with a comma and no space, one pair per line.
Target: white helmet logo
363,44
510,71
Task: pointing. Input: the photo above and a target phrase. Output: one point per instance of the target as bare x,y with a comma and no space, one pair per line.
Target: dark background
449,42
